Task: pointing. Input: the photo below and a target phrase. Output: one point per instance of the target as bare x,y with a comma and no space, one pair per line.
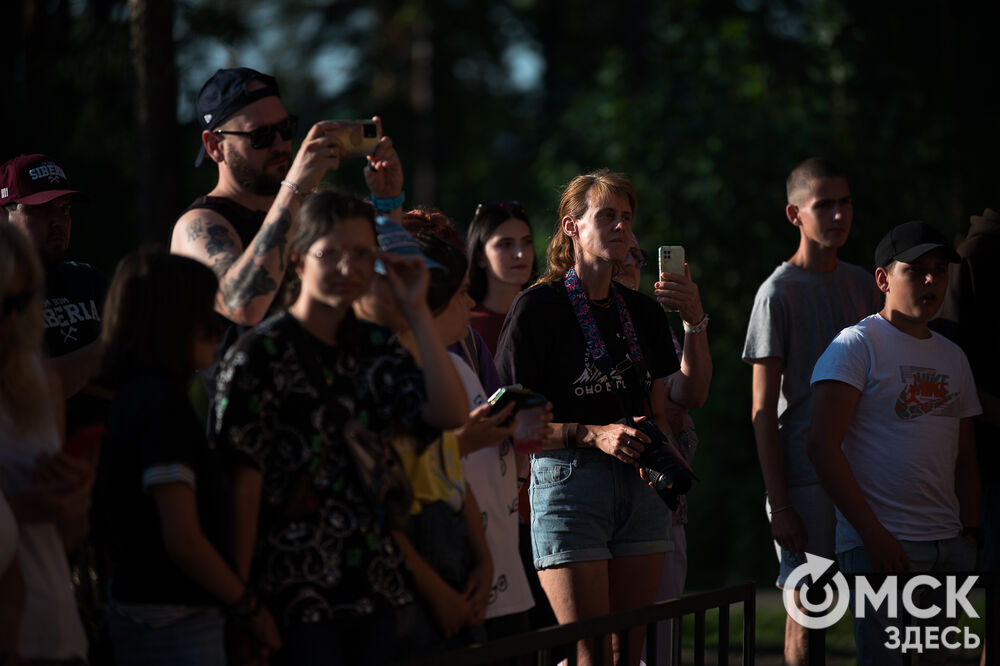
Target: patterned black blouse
316,421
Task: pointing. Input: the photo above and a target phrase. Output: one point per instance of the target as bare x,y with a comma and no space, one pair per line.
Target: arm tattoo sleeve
254,279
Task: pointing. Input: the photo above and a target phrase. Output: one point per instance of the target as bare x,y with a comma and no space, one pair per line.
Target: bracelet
780,509
294,188
697,328
389,204
246,607
568,438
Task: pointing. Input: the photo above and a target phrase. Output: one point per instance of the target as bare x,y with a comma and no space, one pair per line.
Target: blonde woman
48,490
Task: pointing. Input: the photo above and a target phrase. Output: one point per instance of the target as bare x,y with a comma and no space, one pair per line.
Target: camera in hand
667,474
523,397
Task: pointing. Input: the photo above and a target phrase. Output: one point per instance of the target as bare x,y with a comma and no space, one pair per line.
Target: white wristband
294,188
697,328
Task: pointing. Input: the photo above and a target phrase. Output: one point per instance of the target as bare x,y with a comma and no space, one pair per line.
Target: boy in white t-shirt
891,434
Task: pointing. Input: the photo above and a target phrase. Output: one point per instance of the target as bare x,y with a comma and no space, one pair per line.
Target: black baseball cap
909,241
226,93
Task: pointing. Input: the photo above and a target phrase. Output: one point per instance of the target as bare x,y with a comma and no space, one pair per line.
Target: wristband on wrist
389,204
780,509
696,328
294,188
245,607
569,435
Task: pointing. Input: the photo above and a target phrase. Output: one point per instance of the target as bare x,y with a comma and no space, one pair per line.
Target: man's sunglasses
263,137
511,208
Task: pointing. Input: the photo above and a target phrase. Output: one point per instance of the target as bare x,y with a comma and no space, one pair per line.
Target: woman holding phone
596,351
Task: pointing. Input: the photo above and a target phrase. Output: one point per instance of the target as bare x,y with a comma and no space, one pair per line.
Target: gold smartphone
359,137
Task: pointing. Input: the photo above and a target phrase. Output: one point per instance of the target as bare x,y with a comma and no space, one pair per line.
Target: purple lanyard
588,324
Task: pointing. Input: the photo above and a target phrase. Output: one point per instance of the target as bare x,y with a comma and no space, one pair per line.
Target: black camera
664,470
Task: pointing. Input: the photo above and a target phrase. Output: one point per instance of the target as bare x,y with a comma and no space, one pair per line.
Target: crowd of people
286,438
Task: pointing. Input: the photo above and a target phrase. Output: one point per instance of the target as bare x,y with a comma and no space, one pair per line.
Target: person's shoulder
372,335
781,278
848,271
77,270
540,296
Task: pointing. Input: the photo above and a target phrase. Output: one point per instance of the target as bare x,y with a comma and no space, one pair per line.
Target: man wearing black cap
240,229
891,435
36,195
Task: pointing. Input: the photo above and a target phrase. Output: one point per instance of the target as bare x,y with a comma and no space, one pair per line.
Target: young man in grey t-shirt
798,310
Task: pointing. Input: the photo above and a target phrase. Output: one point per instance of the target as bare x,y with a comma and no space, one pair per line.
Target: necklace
603,303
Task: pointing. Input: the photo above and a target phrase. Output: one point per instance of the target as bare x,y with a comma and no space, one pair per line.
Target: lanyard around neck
585,317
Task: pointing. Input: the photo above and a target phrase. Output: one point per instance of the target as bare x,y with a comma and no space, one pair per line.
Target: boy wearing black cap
891,435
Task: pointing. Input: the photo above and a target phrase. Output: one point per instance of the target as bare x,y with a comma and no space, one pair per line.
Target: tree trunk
152,50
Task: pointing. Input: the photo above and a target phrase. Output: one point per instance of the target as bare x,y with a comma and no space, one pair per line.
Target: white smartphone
671,261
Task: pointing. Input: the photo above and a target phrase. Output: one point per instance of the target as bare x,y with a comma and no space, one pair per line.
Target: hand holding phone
671,261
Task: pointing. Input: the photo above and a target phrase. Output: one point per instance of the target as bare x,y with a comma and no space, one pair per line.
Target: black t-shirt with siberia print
542,347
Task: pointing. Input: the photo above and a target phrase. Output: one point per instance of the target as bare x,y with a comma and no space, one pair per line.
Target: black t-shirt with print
305,413
542,347
153,431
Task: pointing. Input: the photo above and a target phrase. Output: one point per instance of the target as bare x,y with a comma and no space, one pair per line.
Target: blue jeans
160,635
871,632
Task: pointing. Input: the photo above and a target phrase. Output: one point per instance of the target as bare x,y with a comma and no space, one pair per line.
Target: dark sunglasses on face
263,137
511,208
15,303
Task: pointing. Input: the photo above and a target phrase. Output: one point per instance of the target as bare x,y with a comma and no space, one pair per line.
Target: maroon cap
33,179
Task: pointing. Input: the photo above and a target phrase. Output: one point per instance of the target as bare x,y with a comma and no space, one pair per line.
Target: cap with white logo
33,179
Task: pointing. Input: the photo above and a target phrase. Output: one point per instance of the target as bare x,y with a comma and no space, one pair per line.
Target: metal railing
542,642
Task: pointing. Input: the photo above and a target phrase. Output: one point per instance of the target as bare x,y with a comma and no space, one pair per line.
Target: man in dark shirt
241,228
36,196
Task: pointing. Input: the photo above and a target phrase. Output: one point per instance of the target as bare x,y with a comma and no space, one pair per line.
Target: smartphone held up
671,261
359,137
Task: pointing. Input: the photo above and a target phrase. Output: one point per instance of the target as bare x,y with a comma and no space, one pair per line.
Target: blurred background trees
705,104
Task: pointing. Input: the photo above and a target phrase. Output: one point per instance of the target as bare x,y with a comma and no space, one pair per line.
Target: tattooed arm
248,277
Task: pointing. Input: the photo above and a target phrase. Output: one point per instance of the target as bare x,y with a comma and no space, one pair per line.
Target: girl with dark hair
501,253
598,530
308,402
160,503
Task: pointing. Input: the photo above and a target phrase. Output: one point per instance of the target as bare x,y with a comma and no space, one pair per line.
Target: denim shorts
587,505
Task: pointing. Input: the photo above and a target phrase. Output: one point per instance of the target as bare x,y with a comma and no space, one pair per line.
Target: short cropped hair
814,168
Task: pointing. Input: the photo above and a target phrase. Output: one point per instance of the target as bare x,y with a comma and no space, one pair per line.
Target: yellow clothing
436,473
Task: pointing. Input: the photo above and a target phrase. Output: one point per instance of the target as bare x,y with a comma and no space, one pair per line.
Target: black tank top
246,223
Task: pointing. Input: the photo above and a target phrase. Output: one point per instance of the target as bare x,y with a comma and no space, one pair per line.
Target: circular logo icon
828,611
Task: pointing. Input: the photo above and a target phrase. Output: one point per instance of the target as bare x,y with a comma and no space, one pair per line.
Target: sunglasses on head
511,208
15,303
263,137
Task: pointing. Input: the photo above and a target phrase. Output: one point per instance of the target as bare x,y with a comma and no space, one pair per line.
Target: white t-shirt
902,443
50,625
491,473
